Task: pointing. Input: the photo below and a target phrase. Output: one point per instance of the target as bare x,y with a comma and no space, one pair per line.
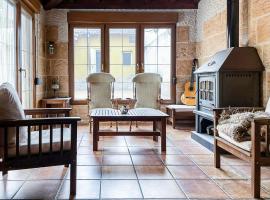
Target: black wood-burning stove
230,78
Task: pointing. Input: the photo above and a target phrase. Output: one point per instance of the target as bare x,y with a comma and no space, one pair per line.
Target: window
124,49
87,58
7,42
157,56
126,58
26,63
121,64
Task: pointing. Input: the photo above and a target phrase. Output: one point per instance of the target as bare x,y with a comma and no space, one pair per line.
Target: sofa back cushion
10,109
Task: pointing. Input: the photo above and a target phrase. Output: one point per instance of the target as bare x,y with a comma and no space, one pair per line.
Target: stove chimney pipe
233,23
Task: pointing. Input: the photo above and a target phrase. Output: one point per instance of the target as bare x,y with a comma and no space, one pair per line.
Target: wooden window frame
108,20
173,56
31,12
31,7
71,28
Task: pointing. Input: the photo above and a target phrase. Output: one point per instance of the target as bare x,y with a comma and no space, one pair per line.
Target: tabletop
132,113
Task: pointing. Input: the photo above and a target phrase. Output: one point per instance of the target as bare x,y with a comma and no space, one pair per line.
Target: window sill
79,102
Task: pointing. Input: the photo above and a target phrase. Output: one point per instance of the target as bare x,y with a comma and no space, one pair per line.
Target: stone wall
57,64
185,48
259,37
254,30
210,28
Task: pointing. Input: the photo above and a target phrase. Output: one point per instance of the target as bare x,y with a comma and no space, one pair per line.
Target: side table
58,102
182,113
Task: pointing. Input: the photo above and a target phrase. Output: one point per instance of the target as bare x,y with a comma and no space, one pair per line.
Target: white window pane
94,38
116,54
164,55
115,38
127,90
80,75
116,72
26,55
165,72
165,90
80,55
129,37
80,37
157,56
7,42
150,68
118,90
128,73
132,52
150,37
87,58
122,58
150,55
164,37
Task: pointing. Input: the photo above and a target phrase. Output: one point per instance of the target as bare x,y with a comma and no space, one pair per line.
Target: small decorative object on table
124,109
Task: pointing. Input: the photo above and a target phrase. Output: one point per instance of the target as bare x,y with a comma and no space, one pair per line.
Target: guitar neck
194,66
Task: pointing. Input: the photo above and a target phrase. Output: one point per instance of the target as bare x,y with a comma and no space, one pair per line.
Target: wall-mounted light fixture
51,47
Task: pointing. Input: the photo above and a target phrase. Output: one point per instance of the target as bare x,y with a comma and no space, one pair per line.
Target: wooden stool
181,113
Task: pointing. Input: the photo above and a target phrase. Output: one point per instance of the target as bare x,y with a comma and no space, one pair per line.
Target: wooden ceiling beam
50,4
121,4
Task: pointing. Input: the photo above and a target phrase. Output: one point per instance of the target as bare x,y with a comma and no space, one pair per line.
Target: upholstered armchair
100,92
29,139
254,149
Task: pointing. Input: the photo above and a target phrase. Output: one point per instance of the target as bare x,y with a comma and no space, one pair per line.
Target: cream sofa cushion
245,145
45,142
182,108
11,109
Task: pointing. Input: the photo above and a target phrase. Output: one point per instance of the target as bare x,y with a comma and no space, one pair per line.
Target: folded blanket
237,126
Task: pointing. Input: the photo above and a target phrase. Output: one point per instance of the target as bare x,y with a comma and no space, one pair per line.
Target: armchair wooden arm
39,121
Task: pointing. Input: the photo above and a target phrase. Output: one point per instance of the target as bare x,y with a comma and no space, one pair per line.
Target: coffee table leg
163,134
155,138
95,134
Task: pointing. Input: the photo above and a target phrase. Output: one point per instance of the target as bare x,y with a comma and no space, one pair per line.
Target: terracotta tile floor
135,168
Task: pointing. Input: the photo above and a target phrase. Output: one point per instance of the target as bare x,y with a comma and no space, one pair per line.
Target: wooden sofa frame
255,157
42,159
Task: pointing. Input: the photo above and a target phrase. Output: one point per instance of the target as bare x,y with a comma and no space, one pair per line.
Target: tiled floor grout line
204,173
173,175
19,188
211,178
68,168
137,178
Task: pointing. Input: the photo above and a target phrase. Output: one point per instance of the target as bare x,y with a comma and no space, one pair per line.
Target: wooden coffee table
139,114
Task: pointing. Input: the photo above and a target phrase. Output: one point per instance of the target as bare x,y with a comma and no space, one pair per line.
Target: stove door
206,93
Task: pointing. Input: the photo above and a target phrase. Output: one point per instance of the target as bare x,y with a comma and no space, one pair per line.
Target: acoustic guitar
188,98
